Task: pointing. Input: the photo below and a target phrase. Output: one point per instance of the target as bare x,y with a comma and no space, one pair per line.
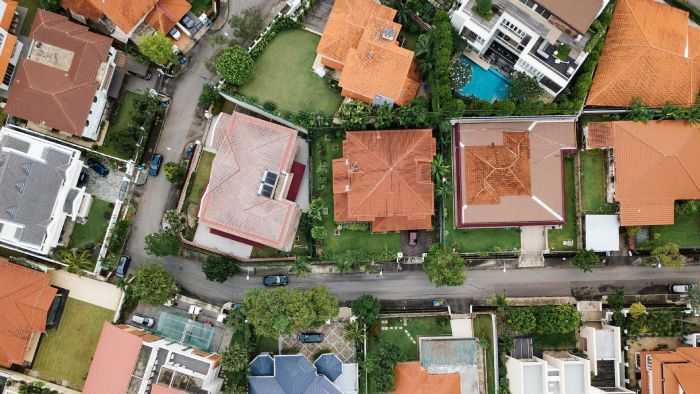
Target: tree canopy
524,88
235,65
248,24
218,268
366,308
282,311
380,366
153,285
157,47
162,243
444,267
174,172
585,260
669,255
560,319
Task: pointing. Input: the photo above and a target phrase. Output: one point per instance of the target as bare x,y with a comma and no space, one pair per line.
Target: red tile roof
113,362
60,98
669,370
411,378
384,178
161,389
655,164
650,52
25,299
164,16
126,14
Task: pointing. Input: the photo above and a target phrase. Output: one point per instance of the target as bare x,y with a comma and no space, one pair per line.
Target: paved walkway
334,340
88,290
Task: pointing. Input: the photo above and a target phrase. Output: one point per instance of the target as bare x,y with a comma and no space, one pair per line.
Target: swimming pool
485,84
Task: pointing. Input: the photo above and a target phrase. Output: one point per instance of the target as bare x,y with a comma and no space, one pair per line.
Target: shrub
209,96
669,255
270,106
235,65
444,267
366,309
174,173
585,260
637,309
563,51
522,320
557,319
319,233
483,8
153,285
162,243
218,268
118,237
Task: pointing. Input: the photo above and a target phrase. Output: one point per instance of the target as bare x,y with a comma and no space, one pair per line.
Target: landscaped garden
568,230
483,240
198,183
345,245
200,6
92,232
483,330
393,332
283,76
594,182
684,232
66,353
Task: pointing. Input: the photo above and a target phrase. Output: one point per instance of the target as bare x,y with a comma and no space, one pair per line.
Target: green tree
637,309
380,366
158,48
522,320
640,112
175,222
585,260
669,255
383,117
685,208
301,267
324,304
424,54
219,268
77,260
316,207
563,51
366,309
319,233
439,169
174,172
162,243
235,65
153,285
444,267
483,8
694,297
353,115
50,5
524,88
248,24
616,301
560,319
209,96
354,332
234,358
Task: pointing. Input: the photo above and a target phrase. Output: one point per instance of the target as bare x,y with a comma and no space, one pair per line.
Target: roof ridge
622,72
649,169
691,135
639,25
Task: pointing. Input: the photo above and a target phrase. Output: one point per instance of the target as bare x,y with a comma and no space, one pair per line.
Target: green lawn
92,232
483,329
479,239
283,75
199,181
417,326
348,241
200,6
568,231
267,345
565,341
593,181
110,145
31,6
411,40
66,353
685,232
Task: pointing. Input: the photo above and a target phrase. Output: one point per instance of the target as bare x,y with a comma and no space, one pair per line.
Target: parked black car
276,280
82,178
123,266
310,337
97,167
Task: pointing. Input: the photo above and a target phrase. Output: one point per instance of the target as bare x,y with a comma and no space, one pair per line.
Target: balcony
544,52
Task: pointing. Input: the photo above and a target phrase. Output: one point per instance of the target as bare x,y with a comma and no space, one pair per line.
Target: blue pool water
485,84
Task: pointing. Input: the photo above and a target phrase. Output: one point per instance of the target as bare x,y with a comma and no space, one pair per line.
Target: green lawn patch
200,6
411,40
267,345
483,329
119,126
417,326
568,231
283,75
373,244
198,183
479,239
685,231
593,181
31,6
92,232
66,353
566,341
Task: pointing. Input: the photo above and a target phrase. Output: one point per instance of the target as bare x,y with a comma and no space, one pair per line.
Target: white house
38,190
525,35
604,349
554,373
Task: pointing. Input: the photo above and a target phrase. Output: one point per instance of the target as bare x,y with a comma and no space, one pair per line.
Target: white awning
602,233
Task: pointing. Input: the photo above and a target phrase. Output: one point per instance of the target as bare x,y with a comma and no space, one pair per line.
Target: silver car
143,320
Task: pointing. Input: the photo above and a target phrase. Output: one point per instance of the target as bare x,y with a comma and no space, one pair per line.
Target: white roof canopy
602,233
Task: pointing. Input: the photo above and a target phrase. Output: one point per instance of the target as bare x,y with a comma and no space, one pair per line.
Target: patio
334,342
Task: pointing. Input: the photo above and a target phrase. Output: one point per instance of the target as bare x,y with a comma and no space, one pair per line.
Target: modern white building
554,373
604,349
38,190
526,35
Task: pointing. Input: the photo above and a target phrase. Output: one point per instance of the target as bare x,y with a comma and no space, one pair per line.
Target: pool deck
476,59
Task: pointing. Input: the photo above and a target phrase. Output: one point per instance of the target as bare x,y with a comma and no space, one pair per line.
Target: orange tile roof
126,14
371,65
411,378
650,52
25,299
164,16
113,362
655,164
245,147
384,178
10,8
671,369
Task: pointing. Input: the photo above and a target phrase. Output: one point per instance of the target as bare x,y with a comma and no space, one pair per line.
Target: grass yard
268,345
411,40
110,146
483,329
417,326
685,232
565,341
568,231
479,239
301,247
198,182
92,232
66,353
593,181
347,241
31,6
283,75
200,6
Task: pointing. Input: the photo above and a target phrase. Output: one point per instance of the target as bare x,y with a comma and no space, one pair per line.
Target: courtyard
283,76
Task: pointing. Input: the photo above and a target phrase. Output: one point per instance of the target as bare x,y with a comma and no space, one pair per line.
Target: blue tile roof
330,366
262,365
293,374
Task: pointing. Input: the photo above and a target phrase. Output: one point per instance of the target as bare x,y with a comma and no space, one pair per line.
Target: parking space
317,18
334,341
191,24
104,188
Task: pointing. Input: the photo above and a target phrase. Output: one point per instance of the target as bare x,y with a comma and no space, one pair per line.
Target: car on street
679,288
310,337
122,266
156,161
142,320
276,280
187,21
97,167
175,33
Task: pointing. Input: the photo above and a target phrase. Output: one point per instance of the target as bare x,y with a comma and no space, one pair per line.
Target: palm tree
424,54
401,14
354,332
301,267
76,260
439,169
